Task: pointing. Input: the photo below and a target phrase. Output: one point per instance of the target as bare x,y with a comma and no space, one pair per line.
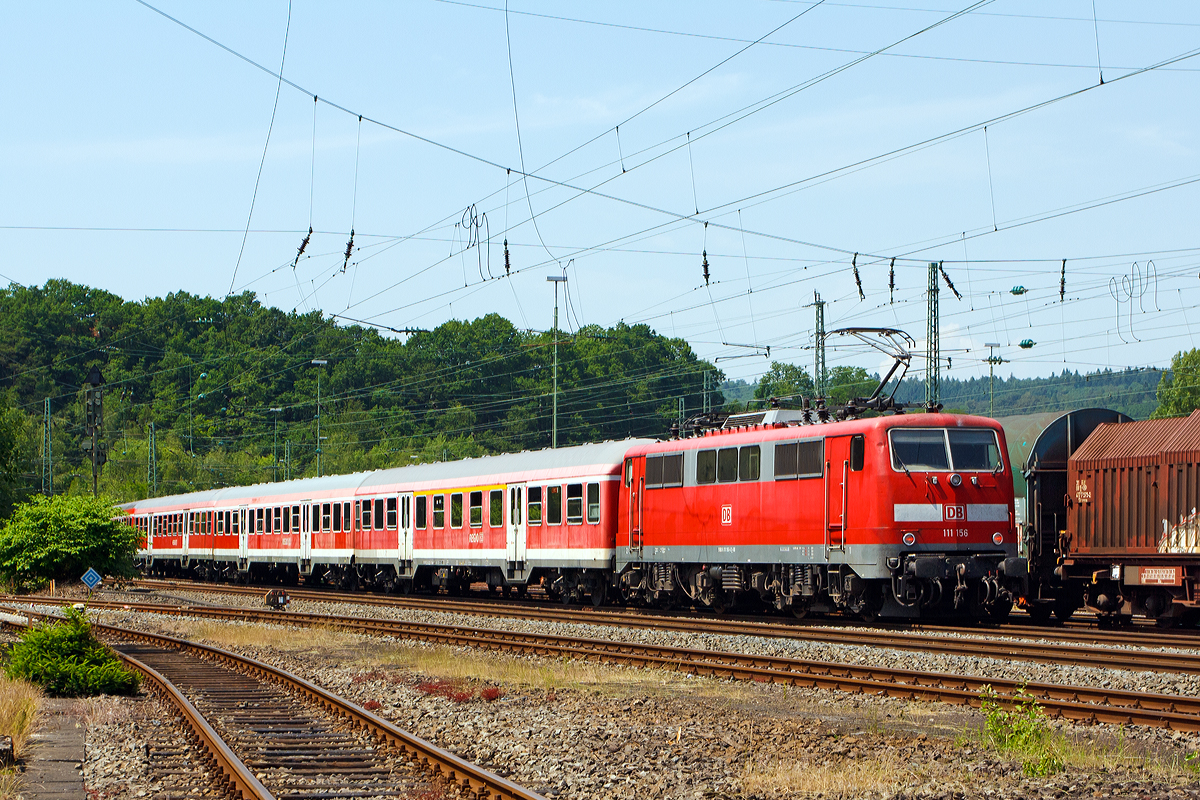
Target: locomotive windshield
940,449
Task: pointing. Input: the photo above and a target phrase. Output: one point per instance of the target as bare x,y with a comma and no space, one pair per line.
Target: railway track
935,641
1067,702
268,745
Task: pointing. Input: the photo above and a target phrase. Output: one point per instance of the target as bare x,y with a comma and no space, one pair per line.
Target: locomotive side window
810,459
496,515
391,513
554,505
366,515
919,449
574,503
974,449
654,471
379,513
858,453
439,511
593,503
706,466
534,517
476,509
628,471
749,463
727,464
422,511
456,514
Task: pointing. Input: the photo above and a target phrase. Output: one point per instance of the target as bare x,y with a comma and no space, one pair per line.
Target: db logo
956,512
726,515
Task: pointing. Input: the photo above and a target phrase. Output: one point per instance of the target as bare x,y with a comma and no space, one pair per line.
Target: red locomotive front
900,516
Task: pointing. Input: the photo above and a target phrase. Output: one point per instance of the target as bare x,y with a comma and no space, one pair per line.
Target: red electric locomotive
899,516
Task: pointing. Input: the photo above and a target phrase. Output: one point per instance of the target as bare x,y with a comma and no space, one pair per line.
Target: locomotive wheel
1040,613
999,611
599,594
799,612
1063,611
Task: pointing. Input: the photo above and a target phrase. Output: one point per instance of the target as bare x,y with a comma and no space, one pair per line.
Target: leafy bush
60,537
65,659
1022,730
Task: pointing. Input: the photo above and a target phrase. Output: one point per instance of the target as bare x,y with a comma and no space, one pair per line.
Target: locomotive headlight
997,538
956,480
909,539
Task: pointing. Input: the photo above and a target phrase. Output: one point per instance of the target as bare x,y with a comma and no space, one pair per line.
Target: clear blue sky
131,147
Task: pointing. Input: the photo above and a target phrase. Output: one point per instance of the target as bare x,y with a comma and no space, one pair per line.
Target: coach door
306,507
239,525
404,536
515,529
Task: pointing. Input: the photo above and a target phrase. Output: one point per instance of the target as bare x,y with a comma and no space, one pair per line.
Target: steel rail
1009,649
481,782
1175,712
809,628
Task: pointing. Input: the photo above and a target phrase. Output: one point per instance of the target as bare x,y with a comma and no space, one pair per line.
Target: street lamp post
275,446
320,362
556,280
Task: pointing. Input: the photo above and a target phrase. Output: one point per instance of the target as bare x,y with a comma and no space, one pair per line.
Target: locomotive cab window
575,504
915,449
974,450
858,453
593,503
534,515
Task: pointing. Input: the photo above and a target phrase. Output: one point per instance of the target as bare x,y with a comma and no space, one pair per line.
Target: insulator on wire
857,279
507,263
892,281
349,249
303,247
949,282
1062,282
704,265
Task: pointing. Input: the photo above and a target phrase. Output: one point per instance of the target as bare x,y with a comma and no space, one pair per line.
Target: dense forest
230,388
201,392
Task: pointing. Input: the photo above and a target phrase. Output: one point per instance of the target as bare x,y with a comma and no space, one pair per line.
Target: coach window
379,513
260,515
727,464
325,517
316,518
593,503
858,452
476,509
391,513
406,513
439,511
220,522
279,519
534,517
554,505
422,511
295,519
496,515
287,520
456,510
706,466
575,504
358,514
346,517
749,463
366,515
337,517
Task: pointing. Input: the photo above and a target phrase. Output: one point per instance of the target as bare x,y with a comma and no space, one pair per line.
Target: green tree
60,537
12,435
784,380
845,383
66,660
1179,389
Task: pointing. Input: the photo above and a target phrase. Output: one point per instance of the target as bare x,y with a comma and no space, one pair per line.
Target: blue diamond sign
91,578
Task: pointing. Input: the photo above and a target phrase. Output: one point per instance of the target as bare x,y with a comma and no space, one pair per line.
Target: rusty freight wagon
1132,545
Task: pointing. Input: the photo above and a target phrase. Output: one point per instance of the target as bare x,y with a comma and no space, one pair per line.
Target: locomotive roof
568,460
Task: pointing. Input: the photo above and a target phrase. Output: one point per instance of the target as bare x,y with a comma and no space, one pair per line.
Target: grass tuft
19,701
844,778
